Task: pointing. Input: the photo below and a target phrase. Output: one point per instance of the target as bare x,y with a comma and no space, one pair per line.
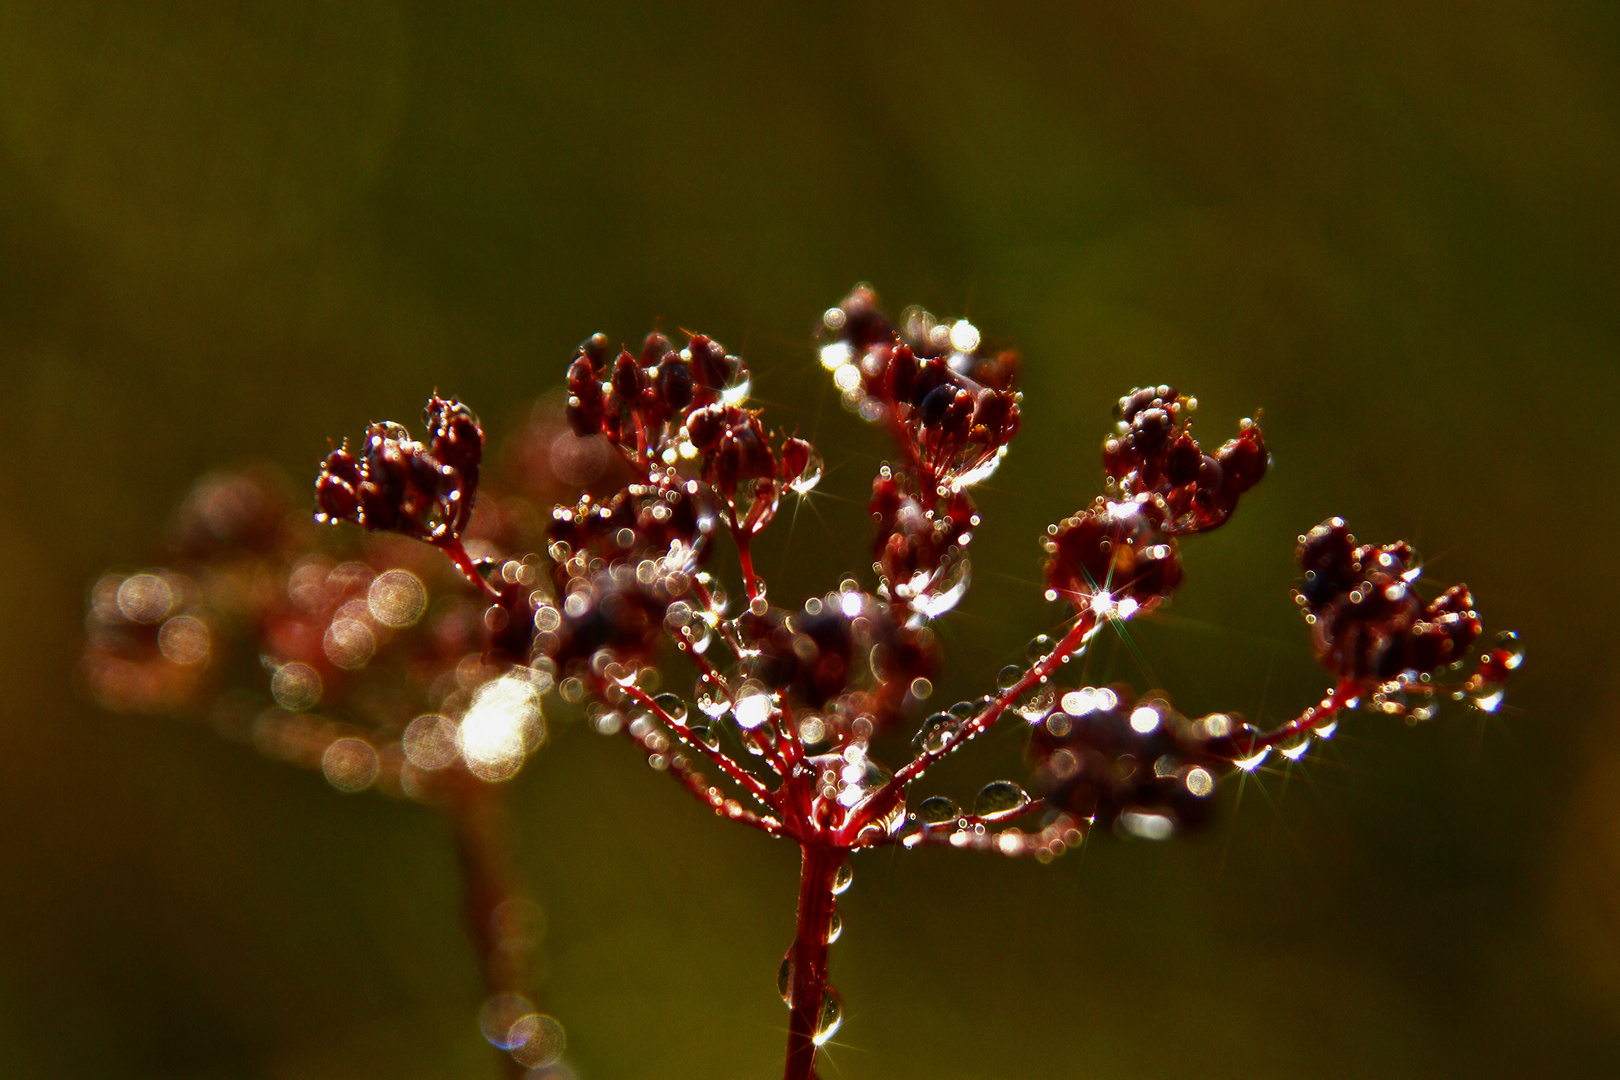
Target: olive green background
230,231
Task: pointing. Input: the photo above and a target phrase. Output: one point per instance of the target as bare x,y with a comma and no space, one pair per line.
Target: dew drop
830,1018
1511,648
350,764
963,710
396,598
538,1041
784,978
1200,781
1253,762
946,587
1039,646
936,731
843,879
296,687
835,928
673,707
753,708
500,1014
999,796
806,481
1145,826
184,640
1297,750
937,809
1034,705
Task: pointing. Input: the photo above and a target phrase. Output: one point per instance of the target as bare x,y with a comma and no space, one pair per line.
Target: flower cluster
402,486
1370,627
784,728
950,403
1120,554
781,730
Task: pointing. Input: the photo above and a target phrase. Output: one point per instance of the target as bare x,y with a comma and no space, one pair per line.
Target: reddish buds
1111,555
1367,622
949,400
1154,455
400,485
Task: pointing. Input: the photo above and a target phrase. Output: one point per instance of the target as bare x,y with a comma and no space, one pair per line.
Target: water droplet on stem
999,796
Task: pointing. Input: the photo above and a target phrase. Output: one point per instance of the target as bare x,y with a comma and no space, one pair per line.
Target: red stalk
809,977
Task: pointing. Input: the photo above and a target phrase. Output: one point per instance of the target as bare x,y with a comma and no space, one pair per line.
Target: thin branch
881,802
744,779
457,554
697,785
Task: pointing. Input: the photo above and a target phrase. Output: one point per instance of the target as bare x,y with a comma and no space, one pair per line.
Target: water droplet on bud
1039,646
1009,676
806,481
1511,647
937,810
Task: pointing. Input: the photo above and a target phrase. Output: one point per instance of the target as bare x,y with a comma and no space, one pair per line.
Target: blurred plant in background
362,660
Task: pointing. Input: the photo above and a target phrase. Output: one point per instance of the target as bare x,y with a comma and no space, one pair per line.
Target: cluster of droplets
362,663
684,410
946,394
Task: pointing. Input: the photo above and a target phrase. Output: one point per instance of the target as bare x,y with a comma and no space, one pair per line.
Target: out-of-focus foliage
228,231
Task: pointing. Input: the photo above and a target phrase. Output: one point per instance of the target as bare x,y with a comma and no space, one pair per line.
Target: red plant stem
809,982
1313,717
705,597
878,805
707,672
745,559
458,555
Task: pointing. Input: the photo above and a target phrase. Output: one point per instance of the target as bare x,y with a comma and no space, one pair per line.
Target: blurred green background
229,231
